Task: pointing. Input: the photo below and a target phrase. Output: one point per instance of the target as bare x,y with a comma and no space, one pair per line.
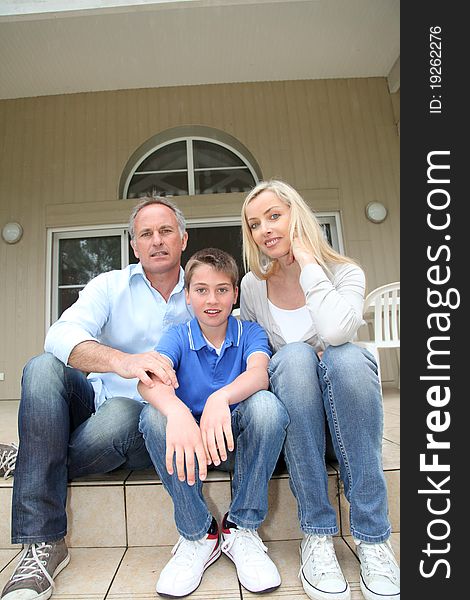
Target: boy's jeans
259,428
60,439
344,386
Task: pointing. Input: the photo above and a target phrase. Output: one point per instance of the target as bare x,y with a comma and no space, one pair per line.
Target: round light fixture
12,233
376,212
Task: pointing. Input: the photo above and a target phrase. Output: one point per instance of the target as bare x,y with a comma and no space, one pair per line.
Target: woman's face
268,218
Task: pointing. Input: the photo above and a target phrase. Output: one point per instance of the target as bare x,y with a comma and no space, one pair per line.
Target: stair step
132,509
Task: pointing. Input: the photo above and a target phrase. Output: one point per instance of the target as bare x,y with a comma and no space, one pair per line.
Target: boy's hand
216,422
183,440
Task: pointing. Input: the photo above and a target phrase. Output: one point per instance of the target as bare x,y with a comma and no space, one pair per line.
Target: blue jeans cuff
192,537
371,539
320,530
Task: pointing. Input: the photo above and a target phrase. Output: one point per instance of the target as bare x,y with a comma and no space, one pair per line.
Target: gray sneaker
8,454
34,576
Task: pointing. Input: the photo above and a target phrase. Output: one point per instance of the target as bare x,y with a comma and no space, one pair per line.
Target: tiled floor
129,570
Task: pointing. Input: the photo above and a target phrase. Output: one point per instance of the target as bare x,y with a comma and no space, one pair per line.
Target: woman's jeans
259,428
344,385
61,437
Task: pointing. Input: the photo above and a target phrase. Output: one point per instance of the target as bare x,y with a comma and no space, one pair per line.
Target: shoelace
32,564
8,460
185,551
324,557
377,559
249,541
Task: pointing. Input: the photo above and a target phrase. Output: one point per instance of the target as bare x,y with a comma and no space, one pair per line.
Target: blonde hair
303,224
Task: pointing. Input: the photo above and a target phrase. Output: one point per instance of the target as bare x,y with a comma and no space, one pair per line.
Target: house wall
336,141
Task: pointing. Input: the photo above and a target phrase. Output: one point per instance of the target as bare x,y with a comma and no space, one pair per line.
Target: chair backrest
384,304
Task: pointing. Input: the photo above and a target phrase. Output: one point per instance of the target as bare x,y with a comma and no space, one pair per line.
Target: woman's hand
302,254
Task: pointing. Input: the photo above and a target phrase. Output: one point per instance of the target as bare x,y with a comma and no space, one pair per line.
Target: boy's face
212,296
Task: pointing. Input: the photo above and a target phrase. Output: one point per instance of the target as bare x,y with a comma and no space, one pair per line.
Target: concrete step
132,509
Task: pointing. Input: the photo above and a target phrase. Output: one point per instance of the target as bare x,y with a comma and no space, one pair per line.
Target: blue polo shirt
200,371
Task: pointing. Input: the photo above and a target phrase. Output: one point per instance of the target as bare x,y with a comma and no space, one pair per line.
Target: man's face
157,242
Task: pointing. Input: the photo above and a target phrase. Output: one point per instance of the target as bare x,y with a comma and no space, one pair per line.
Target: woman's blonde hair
303,224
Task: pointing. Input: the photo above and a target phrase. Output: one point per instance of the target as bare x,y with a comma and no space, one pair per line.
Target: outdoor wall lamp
12,232
376,212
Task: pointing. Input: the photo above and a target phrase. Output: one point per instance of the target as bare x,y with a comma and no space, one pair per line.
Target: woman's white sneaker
380,573
183,573
255,570
320,573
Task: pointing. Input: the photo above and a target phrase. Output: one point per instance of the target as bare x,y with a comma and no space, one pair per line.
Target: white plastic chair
236,313
382,307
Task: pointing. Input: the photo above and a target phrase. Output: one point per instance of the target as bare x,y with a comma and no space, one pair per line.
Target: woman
309,299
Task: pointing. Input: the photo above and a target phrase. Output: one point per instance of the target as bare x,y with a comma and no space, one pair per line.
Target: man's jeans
259,428
344,385
62,438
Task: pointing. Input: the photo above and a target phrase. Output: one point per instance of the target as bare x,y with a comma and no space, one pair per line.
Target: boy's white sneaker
320,573
380,573
183,573
255,570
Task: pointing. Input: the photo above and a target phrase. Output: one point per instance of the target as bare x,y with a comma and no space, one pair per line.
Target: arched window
189,161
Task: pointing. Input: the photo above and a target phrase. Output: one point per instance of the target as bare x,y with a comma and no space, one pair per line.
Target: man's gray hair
148,201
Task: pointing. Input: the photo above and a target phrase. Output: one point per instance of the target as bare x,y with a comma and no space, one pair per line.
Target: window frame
181,133
191,169
54,235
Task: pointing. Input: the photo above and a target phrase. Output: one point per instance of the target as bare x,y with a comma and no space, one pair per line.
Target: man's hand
216,422
143,366
183,441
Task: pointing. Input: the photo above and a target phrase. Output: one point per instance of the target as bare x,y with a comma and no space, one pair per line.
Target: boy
221,367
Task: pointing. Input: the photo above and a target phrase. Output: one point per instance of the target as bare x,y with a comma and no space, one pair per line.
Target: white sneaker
183,573
380,573
320,573
255,570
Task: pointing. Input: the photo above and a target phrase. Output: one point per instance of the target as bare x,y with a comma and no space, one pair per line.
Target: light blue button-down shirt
122,310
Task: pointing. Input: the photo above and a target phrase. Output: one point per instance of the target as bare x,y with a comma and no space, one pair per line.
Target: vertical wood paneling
69,149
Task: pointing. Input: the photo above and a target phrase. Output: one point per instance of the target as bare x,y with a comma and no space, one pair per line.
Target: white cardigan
335,301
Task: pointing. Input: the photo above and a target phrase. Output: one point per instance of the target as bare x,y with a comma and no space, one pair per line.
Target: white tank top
292,323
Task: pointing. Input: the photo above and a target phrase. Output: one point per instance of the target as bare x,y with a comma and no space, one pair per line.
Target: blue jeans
344,386
259,428
61,437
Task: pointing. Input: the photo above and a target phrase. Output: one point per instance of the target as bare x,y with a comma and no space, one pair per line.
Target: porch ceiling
71,47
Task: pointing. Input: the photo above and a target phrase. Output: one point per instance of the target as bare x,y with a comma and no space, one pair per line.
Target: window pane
326,227
208,154
220,182
167,158
66,298
81,259
159,184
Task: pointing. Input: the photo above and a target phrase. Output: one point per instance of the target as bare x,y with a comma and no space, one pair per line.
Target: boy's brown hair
217,259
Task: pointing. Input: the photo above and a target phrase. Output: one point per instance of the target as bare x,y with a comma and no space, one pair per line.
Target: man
71,425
